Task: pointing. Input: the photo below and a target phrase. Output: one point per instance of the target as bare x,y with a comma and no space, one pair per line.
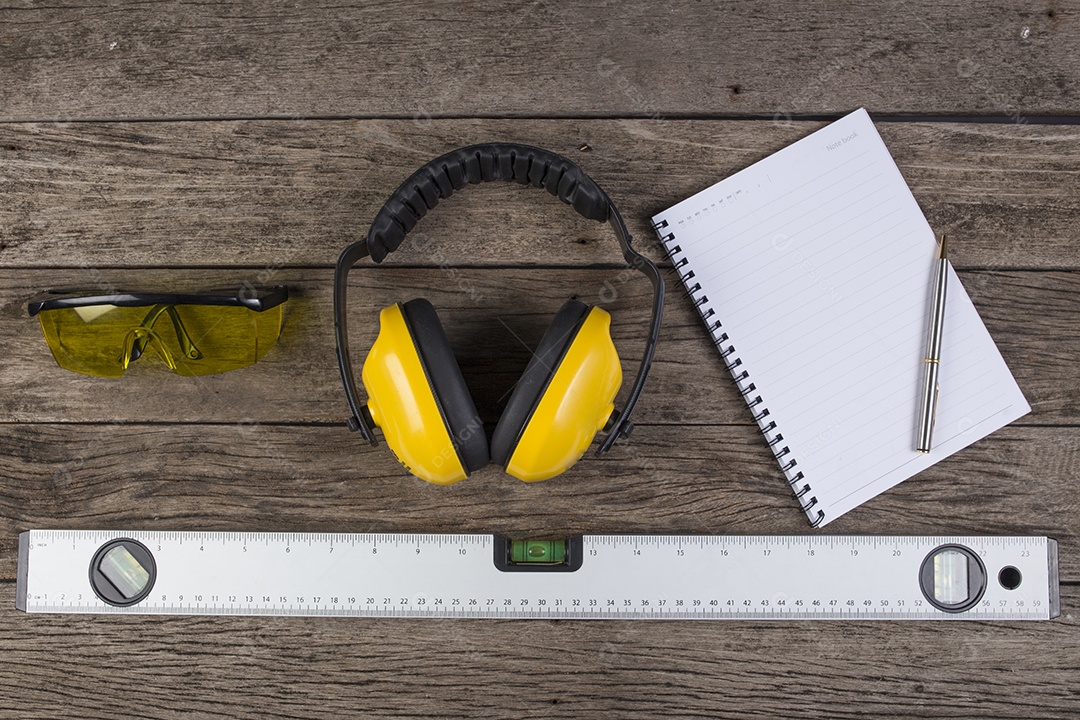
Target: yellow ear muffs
417,396
564,398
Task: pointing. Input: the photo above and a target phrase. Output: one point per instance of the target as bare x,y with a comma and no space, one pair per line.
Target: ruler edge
1053,578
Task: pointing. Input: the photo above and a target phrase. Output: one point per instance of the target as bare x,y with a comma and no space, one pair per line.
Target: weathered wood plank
166,668
295,193
531,57
696,479
267,451
492,317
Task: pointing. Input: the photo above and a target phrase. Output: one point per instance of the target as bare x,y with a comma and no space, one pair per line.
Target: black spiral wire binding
804,494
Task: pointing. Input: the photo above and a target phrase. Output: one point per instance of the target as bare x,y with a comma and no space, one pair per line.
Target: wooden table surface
193,145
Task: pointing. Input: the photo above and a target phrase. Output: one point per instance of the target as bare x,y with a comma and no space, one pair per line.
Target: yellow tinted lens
207,339
191,339
92,339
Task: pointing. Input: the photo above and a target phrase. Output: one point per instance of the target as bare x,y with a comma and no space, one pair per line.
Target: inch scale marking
593,577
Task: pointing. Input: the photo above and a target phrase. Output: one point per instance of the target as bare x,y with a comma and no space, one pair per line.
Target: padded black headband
480,163
437,180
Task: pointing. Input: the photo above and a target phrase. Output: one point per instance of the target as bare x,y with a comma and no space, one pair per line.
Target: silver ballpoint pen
928,413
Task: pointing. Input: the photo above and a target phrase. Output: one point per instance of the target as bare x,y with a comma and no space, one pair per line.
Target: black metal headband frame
437,180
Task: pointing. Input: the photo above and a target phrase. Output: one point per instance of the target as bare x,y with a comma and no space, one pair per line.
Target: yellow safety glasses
193,333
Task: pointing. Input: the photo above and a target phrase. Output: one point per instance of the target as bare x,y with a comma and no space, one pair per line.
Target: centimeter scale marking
618,577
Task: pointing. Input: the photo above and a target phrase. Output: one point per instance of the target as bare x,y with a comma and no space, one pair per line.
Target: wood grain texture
64,666
294,193
95,198
493,317
692,479
127,59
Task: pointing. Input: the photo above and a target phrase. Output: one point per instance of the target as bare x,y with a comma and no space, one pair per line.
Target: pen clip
933,418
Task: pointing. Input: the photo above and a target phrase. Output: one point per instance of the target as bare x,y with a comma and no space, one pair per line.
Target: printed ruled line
788,221
788,193
977,429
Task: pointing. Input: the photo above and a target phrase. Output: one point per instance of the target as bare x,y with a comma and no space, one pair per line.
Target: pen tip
943,252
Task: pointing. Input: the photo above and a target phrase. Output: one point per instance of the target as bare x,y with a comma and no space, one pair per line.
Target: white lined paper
818,263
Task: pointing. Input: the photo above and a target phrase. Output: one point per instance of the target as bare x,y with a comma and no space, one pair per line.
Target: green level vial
549,552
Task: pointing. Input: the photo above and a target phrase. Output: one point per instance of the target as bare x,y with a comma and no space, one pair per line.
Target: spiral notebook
813,271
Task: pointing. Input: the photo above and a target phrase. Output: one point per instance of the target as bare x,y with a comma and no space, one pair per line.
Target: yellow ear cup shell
403,405
575,406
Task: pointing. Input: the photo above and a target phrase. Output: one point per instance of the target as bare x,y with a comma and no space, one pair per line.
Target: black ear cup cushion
451,394
441,177
534,381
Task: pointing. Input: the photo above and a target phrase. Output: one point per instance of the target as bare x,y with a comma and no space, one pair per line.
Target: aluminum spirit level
593,577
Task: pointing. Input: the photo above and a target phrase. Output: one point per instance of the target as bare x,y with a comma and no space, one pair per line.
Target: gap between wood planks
990,119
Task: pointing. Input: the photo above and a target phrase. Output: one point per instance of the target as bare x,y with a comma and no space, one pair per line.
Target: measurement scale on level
759,577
